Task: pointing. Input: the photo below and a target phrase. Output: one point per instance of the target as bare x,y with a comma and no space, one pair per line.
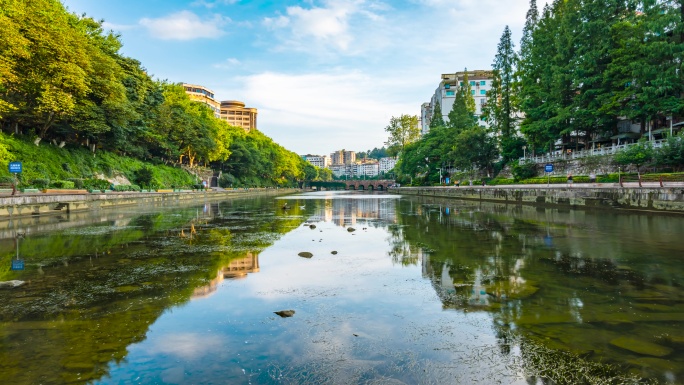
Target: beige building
204,95
343,157
236,114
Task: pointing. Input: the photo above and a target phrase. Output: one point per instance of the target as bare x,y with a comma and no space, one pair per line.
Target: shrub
41,182
6,179
144,176
524,171
126,187
227,180
96,184
78,182
63,184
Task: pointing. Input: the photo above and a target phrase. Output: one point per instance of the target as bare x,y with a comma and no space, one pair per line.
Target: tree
437,119
402,131
501,110
462,114
474,149
637,154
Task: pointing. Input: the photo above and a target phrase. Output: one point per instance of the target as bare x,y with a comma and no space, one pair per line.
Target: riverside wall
668,199
26,205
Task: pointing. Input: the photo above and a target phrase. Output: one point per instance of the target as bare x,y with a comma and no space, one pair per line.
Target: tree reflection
553,279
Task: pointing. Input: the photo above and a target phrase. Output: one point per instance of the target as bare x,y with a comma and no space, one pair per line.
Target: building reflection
346,212
236,269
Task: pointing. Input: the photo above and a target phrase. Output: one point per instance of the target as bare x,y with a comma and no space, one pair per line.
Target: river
385,289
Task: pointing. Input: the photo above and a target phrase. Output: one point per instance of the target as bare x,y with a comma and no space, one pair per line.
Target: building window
472,92
483,92
450,93
447,86
483,83
460,84
472,83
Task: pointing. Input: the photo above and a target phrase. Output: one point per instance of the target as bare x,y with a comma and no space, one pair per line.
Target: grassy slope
48,161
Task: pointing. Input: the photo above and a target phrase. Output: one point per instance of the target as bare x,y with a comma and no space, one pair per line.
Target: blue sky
325,75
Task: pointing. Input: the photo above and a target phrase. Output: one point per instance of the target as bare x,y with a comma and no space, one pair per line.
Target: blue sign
17,264
447,180
548,168
15,167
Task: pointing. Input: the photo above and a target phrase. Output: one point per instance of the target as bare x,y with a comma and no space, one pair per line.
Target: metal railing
565,155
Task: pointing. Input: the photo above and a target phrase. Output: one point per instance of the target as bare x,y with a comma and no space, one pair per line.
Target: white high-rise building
320,161
387,164
480,82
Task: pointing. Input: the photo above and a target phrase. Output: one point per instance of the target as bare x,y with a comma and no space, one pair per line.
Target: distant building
320,161
425,118
204,95
480,82
343,157
369,169
236,114
341,170
387,164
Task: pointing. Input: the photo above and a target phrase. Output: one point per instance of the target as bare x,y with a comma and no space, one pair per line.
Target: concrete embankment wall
634,198
47,204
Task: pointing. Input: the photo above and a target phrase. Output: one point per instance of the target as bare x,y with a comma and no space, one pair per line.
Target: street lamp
524,152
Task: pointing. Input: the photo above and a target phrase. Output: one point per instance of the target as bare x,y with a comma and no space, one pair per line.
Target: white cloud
211,4
337,109
185,25
187,346
228,63
328,25
107,26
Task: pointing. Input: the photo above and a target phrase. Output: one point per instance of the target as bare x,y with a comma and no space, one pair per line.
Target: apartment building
367,169
203,95
343,157
480,82
387,164
236,114
320,161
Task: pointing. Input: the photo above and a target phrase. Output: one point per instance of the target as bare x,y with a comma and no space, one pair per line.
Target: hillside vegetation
64,84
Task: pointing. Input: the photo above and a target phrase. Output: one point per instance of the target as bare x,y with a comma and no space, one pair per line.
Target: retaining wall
48,204
647,198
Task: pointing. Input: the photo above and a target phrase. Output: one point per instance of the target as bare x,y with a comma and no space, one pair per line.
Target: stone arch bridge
364,185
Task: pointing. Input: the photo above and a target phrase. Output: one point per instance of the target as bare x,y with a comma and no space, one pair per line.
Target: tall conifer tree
437,120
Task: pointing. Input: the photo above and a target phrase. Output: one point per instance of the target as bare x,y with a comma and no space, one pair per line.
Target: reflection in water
235,269
602,286
421,291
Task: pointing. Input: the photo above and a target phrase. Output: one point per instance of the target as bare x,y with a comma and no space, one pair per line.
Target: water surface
396,290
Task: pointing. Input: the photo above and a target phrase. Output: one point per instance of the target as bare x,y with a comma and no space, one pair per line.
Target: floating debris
305,254
333,252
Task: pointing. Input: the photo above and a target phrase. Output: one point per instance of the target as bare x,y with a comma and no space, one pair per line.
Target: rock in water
333,252
305,254
11,284
285,313
350,229
312,227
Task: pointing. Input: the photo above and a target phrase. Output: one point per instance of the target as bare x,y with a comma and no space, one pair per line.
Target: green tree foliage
637,155
63,79
501,108
437,119
671,154
462,114
402,130
585,64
